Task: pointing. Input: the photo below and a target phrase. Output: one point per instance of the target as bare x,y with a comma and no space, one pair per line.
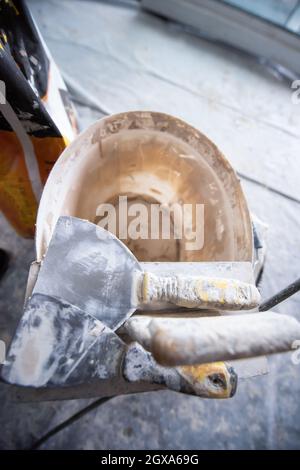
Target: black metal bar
280,296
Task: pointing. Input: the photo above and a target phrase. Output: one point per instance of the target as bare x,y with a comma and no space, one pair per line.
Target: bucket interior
151,166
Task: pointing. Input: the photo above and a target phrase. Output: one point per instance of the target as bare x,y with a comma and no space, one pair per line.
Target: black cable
69,421
4,261
280,296
269,188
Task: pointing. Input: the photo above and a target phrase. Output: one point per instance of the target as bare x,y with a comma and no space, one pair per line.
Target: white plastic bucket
154,158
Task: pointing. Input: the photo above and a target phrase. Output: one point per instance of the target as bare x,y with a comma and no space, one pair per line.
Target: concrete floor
128,59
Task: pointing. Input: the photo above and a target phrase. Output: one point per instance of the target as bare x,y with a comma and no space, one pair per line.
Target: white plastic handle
199,292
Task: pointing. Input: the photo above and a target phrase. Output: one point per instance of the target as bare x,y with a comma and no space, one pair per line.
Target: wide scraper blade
90,268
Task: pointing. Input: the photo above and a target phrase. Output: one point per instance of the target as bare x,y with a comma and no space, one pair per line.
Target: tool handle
199,292
208,380
178,342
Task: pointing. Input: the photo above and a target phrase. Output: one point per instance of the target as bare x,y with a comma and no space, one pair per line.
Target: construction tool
89,284
92,269
175,341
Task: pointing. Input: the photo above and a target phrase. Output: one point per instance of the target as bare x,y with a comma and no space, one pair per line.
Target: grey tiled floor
127,59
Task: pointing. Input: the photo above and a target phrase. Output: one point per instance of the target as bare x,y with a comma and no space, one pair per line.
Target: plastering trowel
90,284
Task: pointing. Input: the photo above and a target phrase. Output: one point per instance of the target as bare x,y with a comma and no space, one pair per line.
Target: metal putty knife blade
90,268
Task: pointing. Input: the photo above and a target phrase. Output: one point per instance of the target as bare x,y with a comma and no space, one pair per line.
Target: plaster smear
29,365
